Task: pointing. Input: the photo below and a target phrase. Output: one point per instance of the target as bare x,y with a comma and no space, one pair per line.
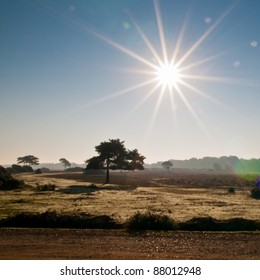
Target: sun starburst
167,73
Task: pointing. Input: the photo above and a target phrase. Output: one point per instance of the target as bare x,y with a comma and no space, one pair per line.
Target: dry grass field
181,195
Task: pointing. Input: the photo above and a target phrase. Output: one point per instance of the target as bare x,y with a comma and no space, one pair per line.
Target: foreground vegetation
138,222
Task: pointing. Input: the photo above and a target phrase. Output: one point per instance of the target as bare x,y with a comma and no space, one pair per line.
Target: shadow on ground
84,189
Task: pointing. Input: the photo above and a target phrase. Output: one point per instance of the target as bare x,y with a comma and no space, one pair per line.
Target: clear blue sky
65,67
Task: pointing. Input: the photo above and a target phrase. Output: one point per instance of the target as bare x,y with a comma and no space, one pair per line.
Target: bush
27,168
75,169
255,193
46,187
38,171
211,224
7,182
150,221
20,169
231,190
52,219
93,172
45,169
11,184
4,174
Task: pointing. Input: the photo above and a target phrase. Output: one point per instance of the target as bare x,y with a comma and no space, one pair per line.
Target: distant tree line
224,163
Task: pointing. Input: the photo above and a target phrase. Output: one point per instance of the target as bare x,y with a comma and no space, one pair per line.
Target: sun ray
200,92
116,94
136,71
220,79
205,35
180,38
202,61
148,95
124,50
156,109
173,105
189,107
177,71
145,39
160,30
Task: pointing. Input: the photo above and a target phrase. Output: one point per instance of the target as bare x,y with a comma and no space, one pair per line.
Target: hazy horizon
77,73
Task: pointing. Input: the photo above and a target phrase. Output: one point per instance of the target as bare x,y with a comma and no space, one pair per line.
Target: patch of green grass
248,176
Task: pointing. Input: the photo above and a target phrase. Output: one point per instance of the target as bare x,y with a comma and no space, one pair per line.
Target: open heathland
181,195
204,201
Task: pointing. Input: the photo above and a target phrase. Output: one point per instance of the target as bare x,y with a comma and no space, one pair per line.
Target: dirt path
109,244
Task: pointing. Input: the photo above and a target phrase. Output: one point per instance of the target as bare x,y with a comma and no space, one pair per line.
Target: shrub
255,193
46,187
45,169
75,169
150,221
52,219
20,169
4,174
27,168
211,224
38,171
231,190
11,184
7,182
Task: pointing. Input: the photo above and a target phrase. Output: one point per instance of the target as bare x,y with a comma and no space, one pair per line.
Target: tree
30,160
65,162
113,155
136,160
167,164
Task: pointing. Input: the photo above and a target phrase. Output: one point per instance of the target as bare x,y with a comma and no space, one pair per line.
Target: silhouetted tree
30,160
167,164
113,155
136,160
65,162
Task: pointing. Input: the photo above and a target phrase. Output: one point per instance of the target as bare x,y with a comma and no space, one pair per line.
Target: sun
168,75
169,72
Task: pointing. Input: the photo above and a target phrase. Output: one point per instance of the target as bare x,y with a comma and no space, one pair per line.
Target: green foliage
249,176
150,221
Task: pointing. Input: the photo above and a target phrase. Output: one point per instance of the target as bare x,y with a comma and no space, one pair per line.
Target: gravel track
115,244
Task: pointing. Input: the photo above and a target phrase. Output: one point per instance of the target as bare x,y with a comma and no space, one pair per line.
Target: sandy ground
114,244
